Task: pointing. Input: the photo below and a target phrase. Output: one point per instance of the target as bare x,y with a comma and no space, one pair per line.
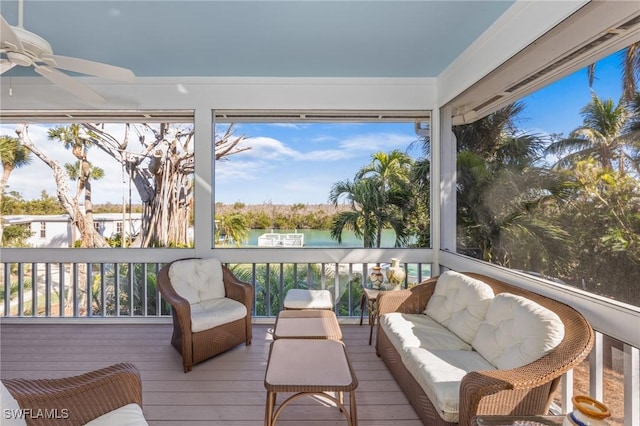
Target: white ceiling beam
517,28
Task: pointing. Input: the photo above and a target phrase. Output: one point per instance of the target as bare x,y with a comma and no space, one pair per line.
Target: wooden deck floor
226,390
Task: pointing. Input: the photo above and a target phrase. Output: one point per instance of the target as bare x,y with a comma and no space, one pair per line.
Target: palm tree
420,178
500,189
73,170
371,211
602,136
12,156
364,200
391,173
233,227
391,169
630,64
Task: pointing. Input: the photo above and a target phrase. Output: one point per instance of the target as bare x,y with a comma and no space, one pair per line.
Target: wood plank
227,390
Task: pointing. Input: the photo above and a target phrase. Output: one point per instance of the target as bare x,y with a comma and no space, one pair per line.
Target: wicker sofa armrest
477,388
79,399
409,301
243,293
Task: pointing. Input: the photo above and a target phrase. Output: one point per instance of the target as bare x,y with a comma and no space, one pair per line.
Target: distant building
54,231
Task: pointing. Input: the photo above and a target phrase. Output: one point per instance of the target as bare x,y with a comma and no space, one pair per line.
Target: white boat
274,239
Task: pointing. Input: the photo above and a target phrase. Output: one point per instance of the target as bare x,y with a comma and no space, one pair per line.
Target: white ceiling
164,38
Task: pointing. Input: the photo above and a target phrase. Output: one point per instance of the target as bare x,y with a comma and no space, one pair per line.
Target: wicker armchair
200,345
79,399
526,390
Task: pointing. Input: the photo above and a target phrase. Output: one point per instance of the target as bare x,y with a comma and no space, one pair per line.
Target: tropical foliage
273,281
566,208
500,185
379,196
12,156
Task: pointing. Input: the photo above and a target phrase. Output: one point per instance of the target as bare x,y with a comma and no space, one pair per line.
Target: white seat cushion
297,298
517,331
460,303
197,279
440,373
419,331
129,415
212,313
9,409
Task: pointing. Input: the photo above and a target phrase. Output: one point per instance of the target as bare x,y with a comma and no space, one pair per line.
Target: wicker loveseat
109,396
423,354
211,308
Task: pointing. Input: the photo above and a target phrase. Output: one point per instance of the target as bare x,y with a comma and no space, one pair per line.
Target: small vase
587,412
376,277
395,274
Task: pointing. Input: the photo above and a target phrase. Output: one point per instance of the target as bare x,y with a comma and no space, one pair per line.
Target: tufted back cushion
197,279
459,303
517,331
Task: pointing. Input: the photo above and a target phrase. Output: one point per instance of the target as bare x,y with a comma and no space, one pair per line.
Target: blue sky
556,108
299,163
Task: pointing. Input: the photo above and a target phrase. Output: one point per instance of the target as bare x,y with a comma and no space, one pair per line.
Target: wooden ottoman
307,324
298,298
309,367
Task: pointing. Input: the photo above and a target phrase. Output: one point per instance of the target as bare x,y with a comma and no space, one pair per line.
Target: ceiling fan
23,48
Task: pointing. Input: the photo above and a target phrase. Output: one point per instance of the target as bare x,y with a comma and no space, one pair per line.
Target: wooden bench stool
297,298
307,324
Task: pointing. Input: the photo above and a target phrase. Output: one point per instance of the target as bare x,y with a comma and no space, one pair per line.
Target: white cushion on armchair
129,415
212,313
197,279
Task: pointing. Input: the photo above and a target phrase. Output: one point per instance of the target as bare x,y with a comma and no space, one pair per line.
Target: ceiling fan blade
9,37
84,66
5,65
69,84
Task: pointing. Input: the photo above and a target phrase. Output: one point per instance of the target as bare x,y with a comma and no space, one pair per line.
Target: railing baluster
281,284
267,290
131,289
7,289
47,289
103,290
89,290
631,385
295,275
145,282
567,392
116,291
20,290
34,289
75,290
254,280
158,295
596,366
61,296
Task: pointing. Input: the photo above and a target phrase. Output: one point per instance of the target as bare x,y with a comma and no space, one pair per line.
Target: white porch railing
120,284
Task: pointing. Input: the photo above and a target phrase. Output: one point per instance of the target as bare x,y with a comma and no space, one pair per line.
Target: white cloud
266,148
